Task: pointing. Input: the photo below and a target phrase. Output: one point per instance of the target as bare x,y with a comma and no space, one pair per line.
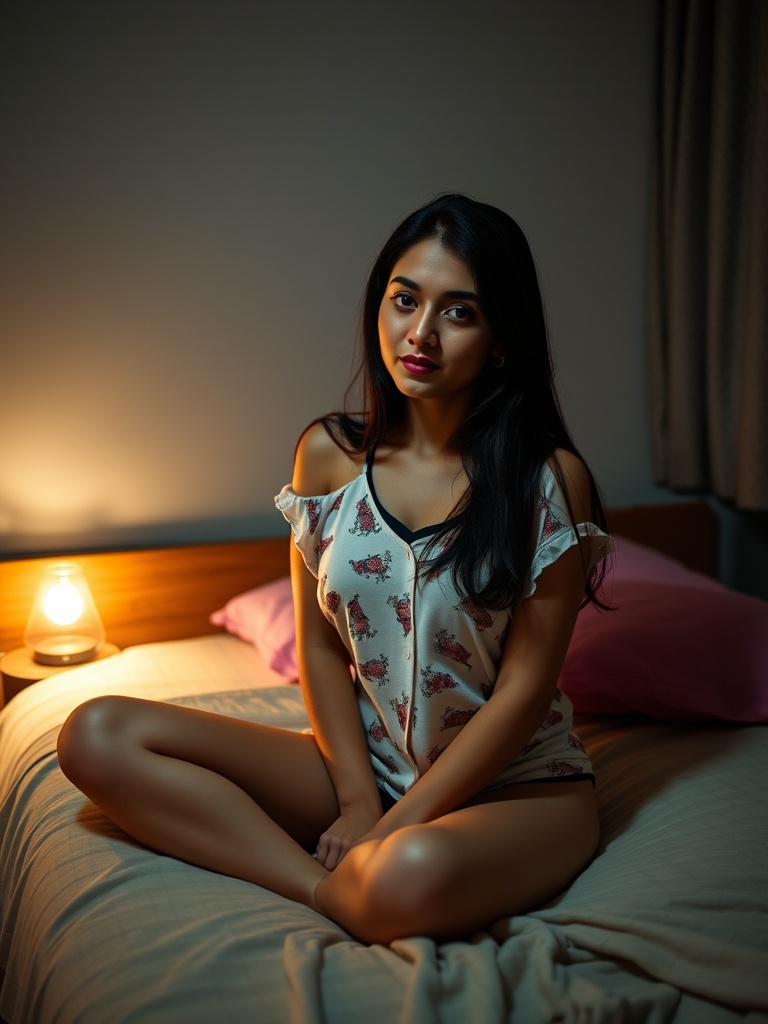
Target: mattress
669,923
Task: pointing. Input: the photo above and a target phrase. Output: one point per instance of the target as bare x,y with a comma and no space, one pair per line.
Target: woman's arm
530,666
329,695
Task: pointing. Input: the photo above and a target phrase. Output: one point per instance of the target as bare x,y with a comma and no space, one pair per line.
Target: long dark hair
515,424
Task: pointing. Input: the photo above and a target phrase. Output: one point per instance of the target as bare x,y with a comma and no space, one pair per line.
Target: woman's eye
461,313
404,300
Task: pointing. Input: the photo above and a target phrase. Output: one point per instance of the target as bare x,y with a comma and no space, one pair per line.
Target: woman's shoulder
568,472
322,465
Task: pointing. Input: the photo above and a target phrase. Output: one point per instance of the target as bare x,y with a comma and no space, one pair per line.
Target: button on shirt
425,657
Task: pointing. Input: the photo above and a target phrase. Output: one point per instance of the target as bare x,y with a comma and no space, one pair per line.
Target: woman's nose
423,331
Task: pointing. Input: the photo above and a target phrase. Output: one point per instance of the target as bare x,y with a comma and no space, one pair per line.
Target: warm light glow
63,604
64,627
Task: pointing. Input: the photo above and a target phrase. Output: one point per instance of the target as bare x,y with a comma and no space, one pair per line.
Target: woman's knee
91,744
412,870
385,890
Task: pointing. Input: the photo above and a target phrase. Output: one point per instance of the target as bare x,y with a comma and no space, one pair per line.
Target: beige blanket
670,922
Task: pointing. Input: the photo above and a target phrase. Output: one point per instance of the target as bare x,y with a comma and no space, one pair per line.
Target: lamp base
65,650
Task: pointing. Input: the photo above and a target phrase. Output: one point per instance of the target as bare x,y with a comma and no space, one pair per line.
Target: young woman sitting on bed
435,549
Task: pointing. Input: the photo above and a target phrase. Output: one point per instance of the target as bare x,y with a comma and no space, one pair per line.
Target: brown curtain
708,287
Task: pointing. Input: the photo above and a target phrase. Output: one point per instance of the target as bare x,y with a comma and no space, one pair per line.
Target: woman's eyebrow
472,296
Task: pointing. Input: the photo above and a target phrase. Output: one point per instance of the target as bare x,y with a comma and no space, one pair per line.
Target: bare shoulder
576,479
321,466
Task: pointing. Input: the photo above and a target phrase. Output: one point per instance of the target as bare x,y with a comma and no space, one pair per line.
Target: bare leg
448,878
232,796
243,799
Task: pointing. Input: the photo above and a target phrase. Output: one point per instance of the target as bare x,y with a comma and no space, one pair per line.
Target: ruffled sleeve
309,522
555,534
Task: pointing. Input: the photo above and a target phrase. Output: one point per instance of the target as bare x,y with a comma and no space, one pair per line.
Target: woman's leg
232,796
505,854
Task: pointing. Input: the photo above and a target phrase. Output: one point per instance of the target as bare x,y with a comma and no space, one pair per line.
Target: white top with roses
425,658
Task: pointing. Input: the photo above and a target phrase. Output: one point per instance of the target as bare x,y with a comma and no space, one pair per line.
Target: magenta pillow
264,618
678,645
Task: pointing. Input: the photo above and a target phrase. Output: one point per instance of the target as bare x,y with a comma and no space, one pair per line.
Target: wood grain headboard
168,593
153,594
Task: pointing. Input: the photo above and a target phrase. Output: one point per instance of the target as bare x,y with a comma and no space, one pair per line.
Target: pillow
264,618
631,561
678,645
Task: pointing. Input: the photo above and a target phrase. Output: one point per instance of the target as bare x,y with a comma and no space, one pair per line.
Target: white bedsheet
670,922
160,671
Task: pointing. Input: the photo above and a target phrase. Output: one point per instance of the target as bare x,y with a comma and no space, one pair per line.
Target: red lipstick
418,364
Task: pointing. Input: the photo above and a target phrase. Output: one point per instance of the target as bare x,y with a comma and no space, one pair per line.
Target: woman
435,549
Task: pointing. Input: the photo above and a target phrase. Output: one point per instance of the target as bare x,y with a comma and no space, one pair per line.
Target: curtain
708,282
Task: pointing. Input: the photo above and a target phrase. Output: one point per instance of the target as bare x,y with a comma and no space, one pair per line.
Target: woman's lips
418,364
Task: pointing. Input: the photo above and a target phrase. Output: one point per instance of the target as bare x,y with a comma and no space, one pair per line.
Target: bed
669,922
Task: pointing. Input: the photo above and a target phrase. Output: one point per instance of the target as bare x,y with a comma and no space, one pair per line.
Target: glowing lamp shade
64,627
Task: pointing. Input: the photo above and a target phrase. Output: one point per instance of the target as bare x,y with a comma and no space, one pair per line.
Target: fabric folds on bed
667,924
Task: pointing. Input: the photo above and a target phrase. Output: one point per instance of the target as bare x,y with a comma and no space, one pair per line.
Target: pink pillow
264,618
678,646
631,561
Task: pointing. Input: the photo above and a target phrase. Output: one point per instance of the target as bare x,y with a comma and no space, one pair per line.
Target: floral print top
425,658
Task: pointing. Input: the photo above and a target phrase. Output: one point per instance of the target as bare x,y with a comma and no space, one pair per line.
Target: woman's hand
349,829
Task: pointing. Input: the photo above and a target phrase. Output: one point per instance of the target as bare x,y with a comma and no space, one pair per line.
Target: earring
497,361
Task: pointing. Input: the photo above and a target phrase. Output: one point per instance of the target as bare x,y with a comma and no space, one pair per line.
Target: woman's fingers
333,855
321,854
347,831
331,850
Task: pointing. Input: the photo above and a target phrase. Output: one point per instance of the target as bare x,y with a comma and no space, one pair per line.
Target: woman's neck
432,428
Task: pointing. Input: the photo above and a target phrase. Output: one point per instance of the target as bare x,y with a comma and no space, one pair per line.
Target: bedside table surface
19,669
21,664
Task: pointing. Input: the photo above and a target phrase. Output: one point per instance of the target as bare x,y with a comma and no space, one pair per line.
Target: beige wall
192,193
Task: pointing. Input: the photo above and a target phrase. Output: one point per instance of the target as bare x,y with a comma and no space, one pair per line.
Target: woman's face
434,338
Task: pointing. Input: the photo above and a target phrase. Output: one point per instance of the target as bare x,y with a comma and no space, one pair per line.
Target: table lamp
64,627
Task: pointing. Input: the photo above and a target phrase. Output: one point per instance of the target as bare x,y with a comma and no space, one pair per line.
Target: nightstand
19,669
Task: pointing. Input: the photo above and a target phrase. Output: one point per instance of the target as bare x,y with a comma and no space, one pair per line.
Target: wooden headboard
168,593
153,594
686,531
